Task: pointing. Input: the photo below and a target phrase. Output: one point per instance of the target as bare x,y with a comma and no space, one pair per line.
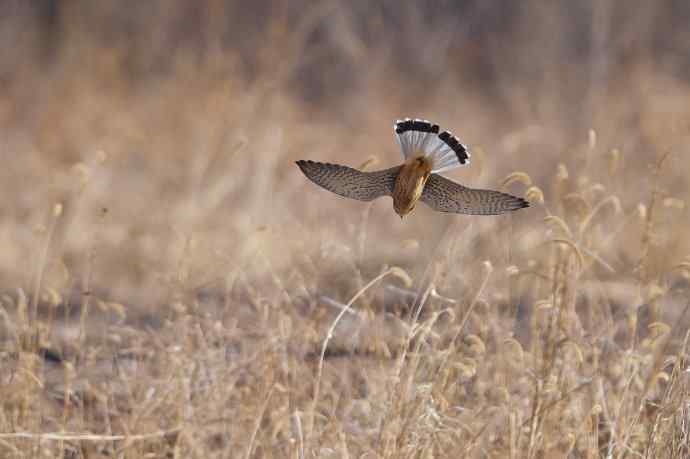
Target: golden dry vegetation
172,286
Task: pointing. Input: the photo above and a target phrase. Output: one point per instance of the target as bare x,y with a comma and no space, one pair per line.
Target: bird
426,153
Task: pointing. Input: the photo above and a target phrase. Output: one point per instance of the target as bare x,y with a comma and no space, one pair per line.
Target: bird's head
403,208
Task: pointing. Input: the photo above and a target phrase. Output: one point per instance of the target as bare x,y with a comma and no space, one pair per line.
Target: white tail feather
421,138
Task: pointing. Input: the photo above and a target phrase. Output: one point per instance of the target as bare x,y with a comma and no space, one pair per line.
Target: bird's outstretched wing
348,182
444,195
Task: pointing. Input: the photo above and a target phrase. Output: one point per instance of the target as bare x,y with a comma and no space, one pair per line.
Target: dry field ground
172,286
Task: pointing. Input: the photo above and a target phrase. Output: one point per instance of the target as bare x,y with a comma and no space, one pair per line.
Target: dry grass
173,287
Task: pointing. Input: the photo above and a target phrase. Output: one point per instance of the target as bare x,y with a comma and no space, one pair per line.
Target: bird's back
409,184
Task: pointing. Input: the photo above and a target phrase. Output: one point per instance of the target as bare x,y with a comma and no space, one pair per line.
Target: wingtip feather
517,203
303,164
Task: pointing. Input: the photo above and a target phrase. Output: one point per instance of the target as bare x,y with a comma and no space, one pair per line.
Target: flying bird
426,153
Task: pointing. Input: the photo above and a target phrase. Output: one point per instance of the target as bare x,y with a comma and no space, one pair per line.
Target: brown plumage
444,195
408,184
426,152
349,182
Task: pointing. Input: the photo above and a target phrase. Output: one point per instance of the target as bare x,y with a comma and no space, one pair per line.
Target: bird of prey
426,153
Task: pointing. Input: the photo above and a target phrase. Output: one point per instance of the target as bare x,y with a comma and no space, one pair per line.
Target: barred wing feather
444,195
348,182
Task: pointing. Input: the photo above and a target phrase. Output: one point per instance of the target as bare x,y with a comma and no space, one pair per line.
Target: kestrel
426,153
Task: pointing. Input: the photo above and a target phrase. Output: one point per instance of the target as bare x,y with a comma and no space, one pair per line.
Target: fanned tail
422,138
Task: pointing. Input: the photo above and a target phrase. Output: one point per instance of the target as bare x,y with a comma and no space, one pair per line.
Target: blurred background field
168,276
